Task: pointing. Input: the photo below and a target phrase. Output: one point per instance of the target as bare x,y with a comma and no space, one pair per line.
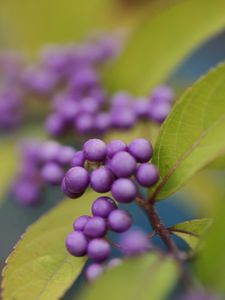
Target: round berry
101,180
95,227
141,149
162,93
76,180
119,220
27,193
78,159
147,174
55,124
158,112
124,190
49,151
114,262
114,147
93,271
99,250
134,242
77,243
80,223
103,206
69,193
65,155
95,150
52,173
123,164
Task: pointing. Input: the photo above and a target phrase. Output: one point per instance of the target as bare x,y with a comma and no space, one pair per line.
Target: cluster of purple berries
42,163
115,167
93,112
73,68
88,237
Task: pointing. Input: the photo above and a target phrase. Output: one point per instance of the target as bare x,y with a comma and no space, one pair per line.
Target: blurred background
28,25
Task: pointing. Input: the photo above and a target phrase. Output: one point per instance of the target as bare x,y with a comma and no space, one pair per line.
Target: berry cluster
89,236
72,68
115,167
108,168
42,163
69,76
96,113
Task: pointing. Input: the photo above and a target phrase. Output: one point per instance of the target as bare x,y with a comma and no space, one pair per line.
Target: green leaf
191,231
193,134
210,263
163,40
40,267
147,277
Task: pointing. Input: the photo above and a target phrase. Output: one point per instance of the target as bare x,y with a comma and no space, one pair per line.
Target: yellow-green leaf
162,40
191,231
40,268
193,134
210,263
146,277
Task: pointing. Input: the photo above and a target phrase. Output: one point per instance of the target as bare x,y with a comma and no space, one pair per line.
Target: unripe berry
103,206
141,149
147,174
99,250
124,190
123,164
77,243
101,180
95,150
119,220
95,227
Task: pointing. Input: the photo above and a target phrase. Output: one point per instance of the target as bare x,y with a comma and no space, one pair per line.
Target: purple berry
101,180
158,112
77,243
123,164
95,150
102,122
114,147
80,223
124,190
114,262
147,174
99,250
123,118
55,124
93,271
52,173
103,206
119,220
50,151
76,180
141,149
141,108
134,242
84,123
65,155
69,193
162,93
95,227
27,193
78,159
